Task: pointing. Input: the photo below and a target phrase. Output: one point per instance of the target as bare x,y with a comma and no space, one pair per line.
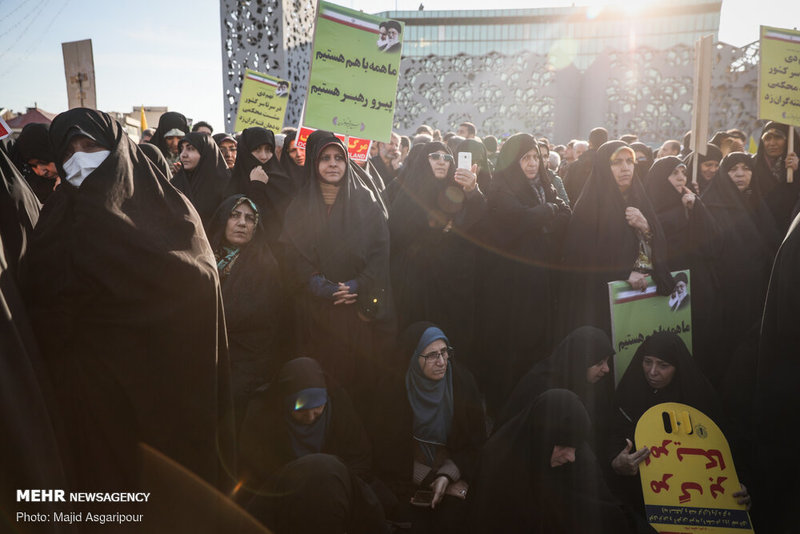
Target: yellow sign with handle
689,479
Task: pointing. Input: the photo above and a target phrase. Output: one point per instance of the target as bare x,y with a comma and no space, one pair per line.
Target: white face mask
82,164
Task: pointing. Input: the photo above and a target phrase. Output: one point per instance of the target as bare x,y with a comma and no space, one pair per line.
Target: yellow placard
263,102
779,76
689,479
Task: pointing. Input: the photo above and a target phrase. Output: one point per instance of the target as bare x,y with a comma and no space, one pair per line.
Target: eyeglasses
446,353
436,156
527,158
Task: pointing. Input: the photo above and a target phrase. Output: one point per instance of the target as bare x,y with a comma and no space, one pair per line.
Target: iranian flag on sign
5,131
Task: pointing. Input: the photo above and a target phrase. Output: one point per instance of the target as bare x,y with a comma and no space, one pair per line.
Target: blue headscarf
431,400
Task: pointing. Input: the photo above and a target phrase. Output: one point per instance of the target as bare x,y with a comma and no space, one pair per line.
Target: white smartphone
465,160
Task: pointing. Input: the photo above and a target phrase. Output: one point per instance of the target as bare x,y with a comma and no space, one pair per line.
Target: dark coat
601,247
432,224
205,185
518,491
125,303
519,305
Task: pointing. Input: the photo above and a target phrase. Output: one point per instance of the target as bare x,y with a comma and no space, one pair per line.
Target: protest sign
263,102
5,130
779,76
354,64
635,315
689,479
702,99
357,148
779,80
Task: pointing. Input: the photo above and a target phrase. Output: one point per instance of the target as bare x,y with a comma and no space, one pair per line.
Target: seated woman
337,251
253,296
662,370
433,221
203,176
580,363
258,174
303,453
613,234
538,475
428,431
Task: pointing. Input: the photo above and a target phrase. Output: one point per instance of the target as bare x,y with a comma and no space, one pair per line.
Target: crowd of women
425,350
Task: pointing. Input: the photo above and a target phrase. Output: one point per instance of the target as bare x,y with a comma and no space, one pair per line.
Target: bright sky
168,53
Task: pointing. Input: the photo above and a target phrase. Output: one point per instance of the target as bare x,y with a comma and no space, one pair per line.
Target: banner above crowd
263,102
779,77
354,64
358,149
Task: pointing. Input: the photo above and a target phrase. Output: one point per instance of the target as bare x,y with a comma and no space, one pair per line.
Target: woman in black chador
662,370
255,304
538,474
614,234
707,167
748,243
337,251
693,242
125,302
525,221
204,175
777,394
581,363
305,457
432,221
773,158
259,175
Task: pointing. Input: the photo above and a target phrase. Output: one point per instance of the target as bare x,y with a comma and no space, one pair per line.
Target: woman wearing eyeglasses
432,221
428,431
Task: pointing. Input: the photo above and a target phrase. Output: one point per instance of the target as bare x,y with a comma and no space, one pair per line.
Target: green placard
779,76
354,64
635,315
263,102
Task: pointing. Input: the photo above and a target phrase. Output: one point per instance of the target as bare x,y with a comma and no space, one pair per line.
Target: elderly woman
337,248
538,475
614,234
433,220
253,295
428,431
304,457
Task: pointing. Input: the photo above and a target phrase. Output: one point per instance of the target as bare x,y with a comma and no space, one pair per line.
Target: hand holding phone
465,160
422,498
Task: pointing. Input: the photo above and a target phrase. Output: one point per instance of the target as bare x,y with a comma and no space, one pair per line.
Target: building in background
557,72
576,34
